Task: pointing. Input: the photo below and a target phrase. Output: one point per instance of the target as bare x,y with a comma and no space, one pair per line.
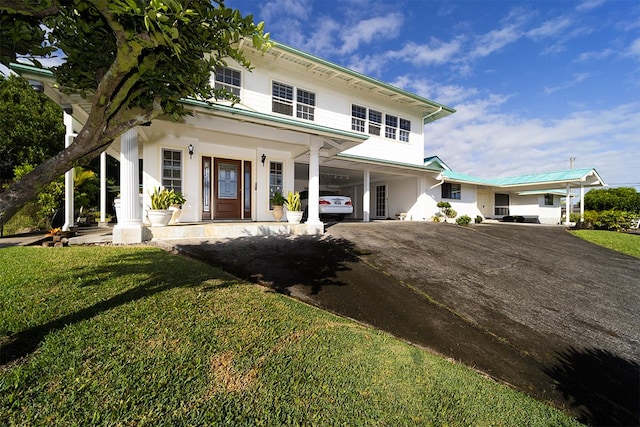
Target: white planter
159,218
176,210
294,217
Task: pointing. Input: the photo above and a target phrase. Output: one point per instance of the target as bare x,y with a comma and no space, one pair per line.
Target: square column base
126,234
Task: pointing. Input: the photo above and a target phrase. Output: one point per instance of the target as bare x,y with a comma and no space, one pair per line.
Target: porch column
366,196
313,213
581,201
567,210
103,189
129,228
68,176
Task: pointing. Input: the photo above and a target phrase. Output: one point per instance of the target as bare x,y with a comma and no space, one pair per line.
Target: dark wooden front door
227,193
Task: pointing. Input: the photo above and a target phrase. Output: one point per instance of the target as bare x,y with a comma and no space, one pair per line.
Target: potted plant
159,213
177,200
277,202
294,207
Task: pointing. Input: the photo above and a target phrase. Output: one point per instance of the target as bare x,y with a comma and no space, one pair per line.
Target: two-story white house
304,123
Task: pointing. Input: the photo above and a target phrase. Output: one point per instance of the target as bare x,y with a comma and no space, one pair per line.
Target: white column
567,210
129,228
103,189
313,211
366,197
68,176
581,202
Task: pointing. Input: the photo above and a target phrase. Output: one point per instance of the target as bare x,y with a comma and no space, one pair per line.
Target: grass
137,336
622,242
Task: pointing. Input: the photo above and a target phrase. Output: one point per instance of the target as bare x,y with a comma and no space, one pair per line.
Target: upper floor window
390,126
451,191
282,101
364,119
405,130
229,79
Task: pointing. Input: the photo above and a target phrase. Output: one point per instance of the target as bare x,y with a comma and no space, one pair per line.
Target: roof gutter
424,118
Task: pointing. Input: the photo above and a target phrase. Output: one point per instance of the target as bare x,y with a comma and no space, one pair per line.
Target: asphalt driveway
529,305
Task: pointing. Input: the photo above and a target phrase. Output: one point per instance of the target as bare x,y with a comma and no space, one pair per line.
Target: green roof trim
572,175
387,162
364,77
275,119
45,72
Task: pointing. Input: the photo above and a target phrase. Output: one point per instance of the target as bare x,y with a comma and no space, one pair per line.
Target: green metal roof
573,175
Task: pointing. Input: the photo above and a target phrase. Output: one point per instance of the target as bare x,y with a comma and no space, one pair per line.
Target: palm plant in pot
277,203
294,207
159,214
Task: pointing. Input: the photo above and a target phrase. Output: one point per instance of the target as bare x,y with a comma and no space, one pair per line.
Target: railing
502,210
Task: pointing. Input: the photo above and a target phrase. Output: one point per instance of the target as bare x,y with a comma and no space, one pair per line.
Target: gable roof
435,163
587,177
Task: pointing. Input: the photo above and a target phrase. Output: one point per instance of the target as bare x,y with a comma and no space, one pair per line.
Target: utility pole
571,160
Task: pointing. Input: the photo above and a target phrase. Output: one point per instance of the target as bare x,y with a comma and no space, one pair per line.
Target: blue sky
534,83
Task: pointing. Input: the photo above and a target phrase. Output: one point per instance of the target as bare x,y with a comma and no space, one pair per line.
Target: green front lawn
622,242
137,336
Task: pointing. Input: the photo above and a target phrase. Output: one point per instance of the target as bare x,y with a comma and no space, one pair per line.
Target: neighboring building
304,123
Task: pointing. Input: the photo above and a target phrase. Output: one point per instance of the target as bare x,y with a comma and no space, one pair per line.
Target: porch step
233,230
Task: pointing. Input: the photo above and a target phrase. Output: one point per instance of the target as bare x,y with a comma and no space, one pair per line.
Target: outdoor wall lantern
263,158
190,151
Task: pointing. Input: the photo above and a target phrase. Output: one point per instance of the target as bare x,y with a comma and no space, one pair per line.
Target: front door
381,201
484,204
227,192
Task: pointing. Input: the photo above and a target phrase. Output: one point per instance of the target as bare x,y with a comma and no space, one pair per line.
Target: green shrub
614,220
574,217
479,219
463,220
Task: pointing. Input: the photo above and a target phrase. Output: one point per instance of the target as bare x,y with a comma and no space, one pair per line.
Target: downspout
437,184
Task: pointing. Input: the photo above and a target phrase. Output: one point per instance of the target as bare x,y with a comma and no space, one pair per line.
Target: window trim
382,128
169,182
275,186
451,191
299,109
228,86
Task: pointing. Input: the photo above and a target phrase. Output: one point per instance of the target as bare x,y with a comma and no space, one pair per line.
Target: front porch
222,230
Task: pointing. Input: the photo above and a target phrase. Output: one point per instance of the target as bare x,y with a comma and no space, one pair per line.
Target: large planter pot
278,213
159,218
294,217
176,210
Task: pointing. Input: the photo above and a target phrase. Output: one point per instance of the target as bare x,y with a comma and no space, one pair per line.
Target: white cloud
495,40
577,79
588,5
634,49
550,28
482,140
276,9
386,27
595,55
435,52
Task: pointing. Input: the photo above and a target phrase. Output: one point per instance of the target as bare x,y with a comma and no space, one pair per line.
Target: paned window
451,191
275,180
364,119
405,130
282,98
375,122
229,79
283,101
305,108
548,199
358,117
172,169
390,126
